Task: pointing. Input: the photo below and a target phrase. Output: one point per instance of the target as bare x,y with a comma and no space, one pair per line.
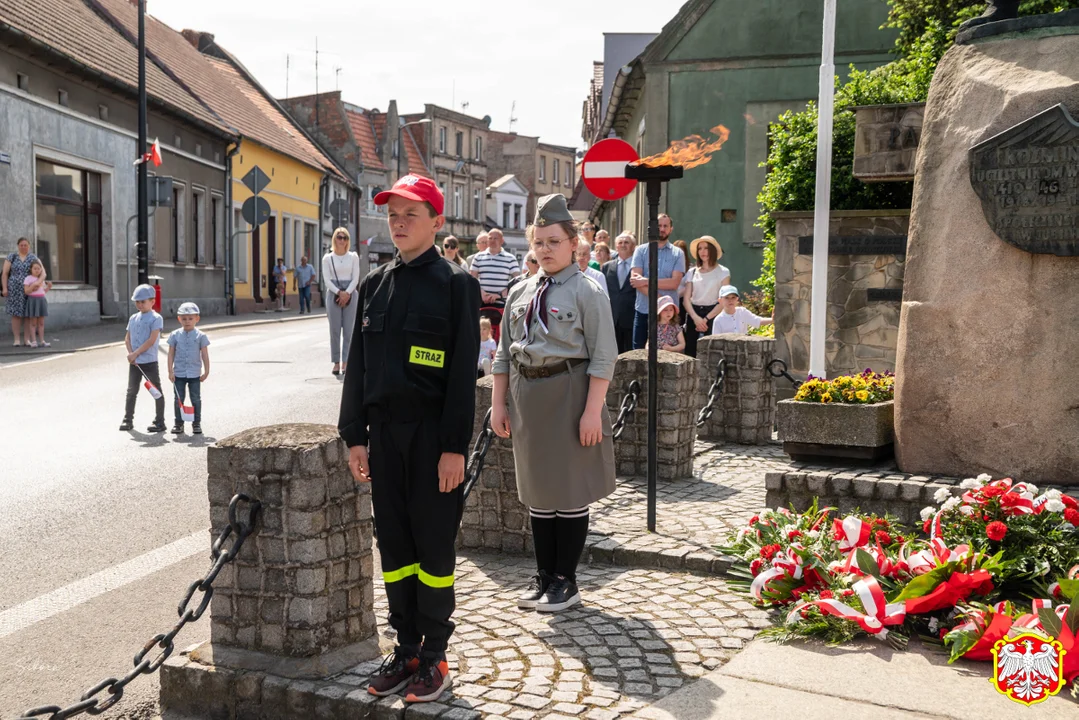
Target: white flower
950,503
813,534
928,512
967,510
1051,495
1054,506
942,495
1032,489
971,484
984,478
742,534
1027,496
766,513
751,554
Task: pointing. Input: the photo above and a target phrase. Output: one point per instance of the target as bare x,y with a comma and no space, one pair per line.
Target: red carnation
926,524
900,539
755,566
753,520
884,538
1069,502
848,593
881,523
1072,516
794,534
996,530
993,491
826,595
769,551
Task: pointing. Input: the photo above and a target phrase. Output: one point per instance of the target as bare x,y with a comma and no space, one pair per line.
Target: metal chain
713,394
629,404
90,702
479,454
782,372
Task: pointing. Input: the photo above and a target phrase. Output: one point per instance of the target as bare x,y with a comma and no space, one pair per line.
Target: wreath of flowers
982,555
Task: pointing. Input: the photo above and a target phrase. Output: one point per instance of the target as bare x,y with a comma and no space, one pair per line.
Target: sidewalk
109,334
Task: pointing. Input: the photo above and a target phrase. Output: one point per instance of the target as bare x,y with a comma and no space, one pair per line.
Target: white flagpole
818,315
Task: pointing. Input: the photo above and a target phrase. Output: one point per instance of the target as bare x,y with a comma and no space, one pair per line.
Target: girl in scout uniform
554,362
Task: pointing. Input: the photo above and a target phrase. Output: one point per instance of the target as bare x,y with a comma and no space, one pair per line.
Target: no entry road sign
604,169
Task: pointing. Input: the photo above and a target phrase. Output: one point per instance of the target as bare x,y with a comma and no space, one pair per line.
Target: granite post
745,409
298,601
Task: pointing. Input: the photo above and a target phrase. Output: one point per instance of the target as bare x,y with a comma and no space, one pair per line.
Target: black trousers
134,384
417,529
624,337
691,331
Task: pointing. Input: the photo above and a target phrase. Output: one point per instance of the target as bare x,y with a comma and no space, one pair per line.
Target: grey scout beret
144,292
551,209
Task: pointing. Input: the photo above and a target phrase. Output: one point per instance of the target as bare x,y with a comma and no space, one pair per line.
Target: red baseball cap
414,187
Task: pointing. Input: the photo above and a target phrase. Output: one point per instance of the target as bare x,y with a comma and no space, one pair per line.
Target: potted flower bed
847,417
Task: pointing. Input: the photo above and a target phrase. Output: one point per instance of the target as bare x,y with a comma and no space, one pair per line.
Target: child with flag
189,366
143,332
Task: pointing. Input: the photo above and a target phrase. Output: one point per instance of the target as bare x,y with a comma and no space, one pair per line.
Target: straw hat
706,239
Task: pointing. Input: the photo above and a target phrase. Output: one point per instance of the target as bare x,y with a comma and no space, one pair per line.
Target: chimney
201,41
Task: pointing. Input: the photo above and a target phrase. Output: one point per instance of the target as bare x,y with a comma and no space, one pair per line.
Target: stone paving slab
692,515
640,635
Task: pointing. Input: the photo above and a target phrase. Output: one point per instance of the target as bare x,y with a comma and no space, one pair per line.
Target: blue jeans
305,297
640,330
182,385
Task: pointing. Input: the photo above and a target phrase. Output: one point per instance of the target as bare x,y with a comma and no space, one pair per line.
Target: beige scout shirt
579,325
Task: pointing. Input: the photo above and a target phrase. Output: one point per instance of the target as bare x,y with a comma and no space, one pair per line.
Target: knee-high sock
571,529
544,539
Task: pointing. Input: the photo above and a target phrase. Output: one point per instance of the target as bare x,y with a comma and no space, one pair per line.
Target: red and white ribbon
851,532
878,613
885,565
788,565
938,553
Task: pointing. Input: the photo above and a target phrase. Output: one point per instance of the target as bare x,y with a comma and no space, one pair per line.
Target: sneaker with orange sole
432,678
394,673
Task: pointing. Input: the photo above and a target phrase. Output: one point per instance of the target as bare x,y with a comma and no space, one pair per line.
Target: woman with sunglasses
450,251
341,271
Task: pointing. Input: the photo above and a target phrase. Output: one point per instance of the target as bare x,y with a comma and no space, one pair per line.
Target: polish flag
154,392
187,412
155,153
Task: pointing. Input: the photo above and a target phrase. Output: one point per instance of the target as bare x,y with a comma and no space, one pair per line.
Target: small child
189,365
488,348
143,332
37,307
280,278
735,318
669,333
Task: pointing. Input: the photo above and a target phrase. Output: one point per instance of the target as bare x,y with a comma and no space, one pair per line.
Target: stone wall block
745,407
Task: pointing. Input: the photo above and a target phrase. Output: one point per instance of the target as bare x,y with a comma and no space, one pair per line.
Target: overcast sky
488,54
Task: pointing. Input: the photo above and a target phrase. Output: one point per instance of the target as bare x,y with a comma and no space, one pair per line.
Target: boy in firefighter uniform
555,359
407,410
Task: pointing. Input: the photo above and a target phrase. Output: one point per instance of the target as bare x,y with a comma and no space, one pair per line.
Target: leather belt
546,371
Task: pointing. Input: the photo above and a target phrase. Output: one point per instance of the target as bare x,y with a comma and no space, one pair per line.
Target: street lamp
400,147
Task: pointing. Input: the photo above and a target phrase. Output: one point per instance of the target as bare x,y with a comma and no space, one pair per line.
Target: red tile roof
223,85
363,132
73,29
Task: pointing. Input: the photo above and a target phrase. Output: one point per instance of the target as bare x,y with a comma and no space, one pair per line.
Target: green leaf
1070,589
925,584
959,642
1050,622
867,563
1071,619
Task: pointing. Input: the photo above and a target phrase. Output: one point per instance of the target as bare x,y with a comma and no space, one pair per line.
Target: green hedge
926,30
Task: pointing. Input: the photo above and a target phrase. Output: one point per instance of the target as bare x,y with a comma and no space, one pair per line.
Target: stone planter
861,432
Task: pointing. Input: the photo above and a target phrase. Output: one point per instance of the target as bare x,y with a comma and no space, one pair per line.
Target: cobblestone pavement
692,515
642,632
640,635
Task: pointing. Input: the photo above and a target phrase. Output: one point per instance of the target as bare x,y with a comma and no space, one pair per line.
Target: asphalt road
103,530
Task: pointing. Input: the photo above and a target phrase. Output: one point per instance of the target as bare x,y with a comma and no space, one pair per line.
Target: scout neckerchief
537,309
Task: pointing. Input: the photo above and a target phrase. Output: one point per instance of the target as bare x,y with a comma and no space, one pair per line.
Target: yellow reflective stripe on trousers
433,580
400,574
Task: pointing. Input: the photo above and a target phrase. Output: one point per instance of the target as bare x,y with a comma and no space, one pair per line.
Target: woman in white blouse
701,298
341,271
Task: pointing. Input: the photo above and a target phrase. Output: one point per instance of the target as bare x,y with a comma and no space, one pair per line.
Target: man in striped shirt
494,268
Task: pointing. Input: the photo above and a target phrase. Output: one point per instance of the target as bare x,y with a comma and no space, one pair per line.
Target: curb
225,325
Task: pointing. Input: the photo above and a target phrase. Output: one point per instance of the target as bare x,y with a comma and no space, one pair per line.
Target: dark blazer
622,298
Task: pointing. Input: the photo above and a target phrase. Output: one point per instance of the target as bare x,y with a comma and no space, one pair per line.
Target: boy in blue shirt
189,365
143,332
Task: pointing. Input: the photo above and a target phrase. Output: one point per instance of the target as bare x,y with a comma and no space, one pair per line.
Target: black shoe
562,594
178,429
536,590
394,673
127,425
196,428
156,428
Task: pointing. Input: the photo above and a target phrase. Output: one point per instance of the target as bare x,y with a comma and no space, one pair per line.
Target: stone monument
989,332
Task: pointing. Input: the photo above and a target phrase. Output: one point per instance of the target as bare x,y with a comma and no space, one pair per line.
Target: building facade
68,136
541,168
685,83
507,209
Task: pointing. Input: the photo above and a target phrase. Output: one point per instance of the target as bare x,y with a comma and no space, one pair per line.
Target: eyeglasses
341,237
551,245
532,261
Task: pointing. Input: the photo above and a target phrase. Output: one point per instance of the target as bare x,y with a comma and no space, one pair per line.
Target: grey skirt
36,307
554,471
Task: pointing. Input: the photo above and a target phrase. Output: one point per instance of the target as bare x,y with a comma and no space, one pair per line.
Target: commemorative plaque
1027,178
